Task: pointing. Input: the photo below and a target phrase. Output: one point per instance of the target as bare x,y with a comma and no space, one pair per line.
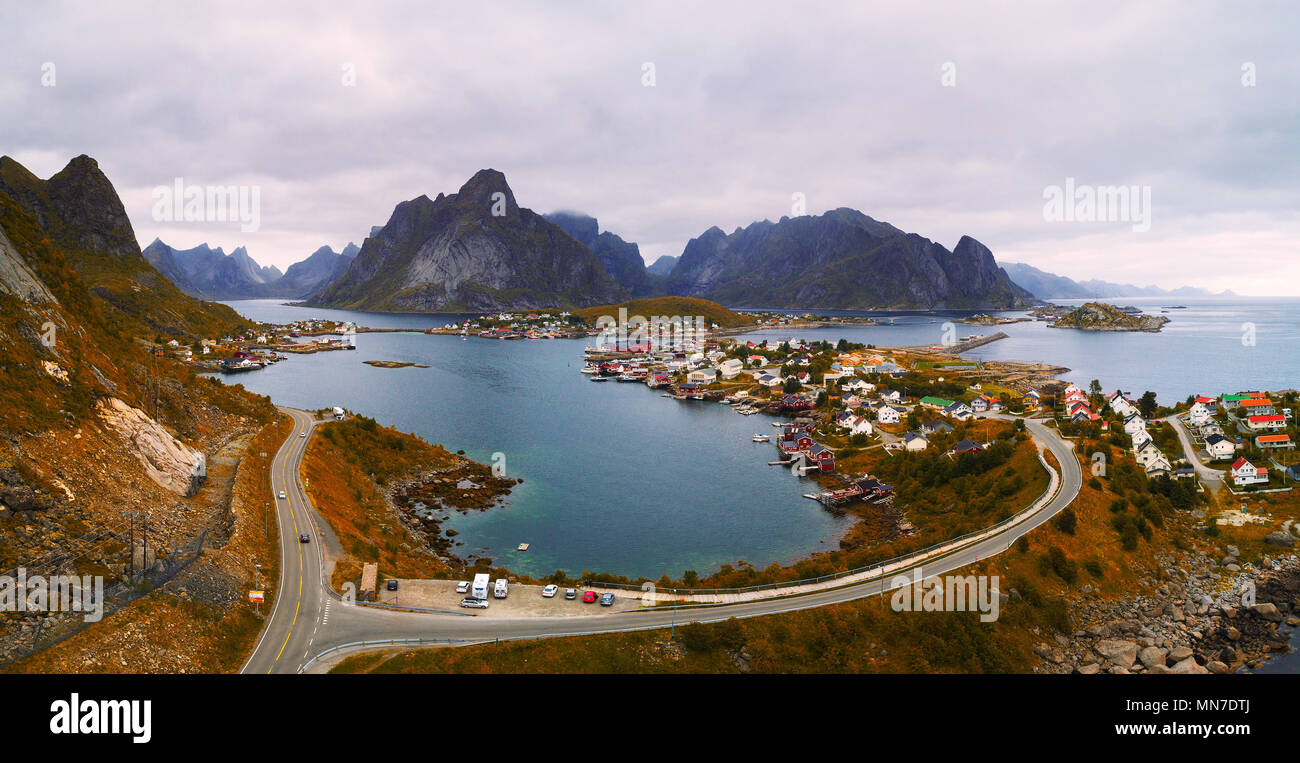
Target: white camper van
480,588
502,589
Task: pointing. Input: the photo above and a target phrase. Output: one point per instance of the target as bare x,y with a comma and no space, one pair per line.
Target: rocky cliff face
475,250
841,259
168,461
622,259
78,206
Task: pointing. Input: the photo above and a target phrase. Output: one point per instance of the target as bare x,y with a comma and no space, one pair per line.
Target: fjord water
1215,345
616,478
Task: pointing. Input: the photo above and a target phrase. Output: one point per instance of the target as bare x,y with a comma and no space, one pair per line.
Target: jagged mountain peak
483,187
456,254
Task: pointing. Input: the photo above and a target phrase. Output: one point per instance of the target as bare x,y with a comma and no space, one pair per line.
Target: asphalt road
308,620
299,603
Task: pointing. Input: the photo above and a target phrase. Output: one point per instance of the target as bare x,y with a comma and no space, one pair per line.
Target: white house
1147,453
731,368
1219,446
1133,423
888,414
1245,473
702,376
853,423
958,410
1199,414
891,395
768,380
915,441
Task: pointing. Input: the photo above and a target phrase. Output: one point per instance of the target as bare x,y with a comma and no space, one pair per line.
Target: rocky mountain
309,276
1051,286
841,259
475,250
81,215
663,266
93,425
211,273
622,259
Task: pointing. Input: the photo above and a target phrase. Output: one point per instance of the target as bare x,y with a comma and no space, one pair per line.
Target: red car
588,597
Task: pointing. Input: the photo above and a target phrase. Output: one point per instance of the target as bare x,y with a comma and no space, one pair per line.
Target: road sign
257,597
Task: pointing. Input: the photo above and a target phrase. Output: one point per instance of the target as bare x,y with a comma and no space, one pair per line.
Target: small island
1099,316
392,364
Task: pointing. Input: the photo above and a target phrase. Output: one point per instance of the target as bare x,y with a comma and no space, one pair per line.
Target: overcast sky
943,119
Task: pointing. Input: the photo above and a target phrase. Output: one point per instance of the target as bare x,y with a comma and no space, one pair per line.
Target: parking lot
523,601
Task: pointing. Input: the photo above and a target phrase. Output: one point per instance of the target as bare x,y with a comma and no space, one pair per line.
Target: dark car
392,585
607,600
588,597
304,538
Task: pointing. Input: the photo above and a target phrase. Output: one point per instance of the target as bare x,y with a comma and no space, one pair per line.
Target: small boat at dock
762,437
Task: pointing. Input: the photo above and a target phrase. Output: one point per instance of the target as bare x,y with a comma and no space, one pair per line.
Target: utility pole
131,515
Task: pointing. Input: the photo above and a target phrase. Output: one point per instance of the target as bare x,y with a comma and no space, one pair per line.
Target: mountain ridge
474,250
1049,285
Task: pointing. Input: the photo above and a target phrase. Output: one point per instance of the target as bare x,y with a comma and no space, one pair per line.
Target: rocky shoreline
1201,619
425,500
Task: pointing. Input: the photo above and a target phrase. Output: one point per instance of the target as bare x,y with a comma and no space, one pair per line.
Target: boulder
1090,669
1189,665
1118,652
1152,656
1279,538
1180,653
1268,611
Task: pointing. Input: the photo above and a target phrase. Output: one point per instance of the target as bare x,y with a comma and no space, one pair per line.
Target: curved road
307,619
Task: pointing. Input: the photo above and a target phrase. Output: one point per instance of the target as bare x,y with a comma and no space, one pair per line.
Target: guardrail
1053,487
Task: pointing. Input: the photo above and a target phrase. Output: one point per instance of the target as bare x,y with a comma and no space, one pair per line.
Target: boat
589,370
522,547
762,437
600,378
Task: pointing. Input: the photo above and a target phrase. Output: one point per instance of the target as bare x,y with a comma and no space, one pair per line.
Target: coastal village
846,396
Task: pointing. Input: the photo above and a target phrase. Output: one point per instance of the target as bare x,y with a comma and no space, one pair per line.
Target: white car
469,602
549,591
462,586
282,495
302,434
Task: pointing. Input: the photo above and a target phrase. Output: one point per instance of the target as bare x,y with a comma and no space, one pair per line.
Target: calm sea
616,478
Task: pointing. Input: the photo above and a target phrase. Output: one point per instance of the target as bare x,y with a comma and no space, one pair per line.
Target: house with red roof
1266,423
1245,473
1257,406
1274,442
